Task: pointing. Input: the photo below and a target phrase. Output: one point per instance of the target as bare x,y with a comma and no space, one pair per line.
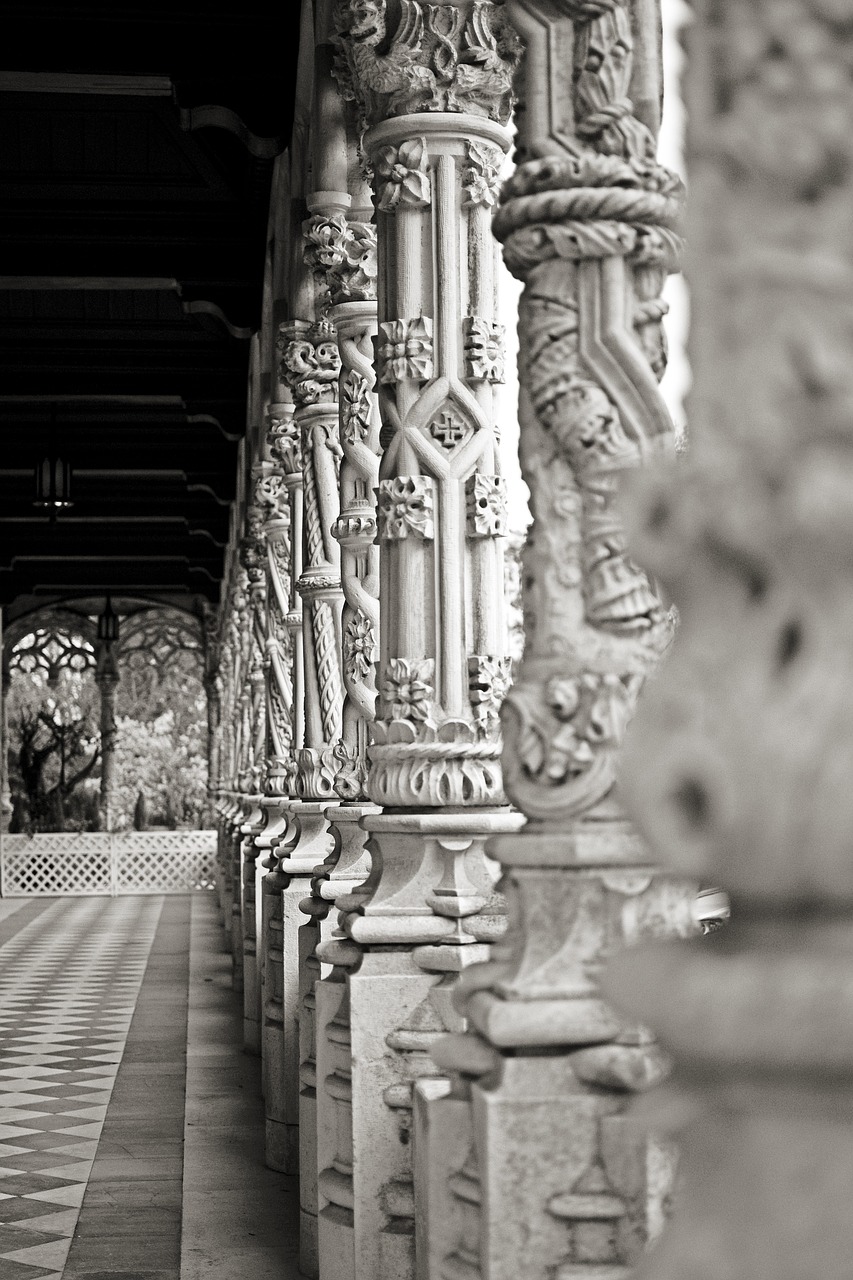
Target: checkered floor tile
69,981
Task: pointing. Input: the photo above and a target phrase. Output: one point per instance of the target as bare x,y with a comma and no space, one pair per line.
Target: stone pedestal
280,832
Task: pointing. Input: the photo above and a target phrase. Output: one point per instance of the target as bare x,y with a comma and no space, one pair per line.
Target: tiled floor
115,1164
68,986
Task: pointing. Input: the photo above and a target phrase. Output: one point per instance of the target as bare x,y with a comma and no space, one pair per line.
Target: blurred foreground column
549,1179
740,760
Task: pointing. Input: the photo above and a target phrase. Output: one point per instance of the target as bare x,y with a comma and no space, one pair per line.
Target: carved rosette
434,90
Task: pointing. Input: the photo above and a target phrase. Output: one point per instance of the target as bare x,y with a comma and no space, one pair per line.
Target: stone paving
96,1110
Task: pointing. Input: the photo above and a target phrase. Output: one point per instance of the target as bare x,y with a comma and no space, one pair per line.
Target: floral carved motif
485,506
342,252
406,507
311,364
407,688
404,350
359,646
440,57
484,349
488,682
402,175
480,177
355,407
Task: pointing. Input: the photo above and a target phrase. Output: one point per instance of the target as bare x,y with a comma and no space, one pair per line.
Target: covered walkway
131,1123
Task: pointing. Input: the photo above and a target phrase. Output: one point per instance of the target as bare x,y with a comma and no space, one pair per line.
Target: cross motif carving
448,430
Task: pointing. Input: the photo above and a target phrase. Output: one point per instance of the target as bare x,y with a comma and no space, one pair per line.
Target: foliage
160,746
54,750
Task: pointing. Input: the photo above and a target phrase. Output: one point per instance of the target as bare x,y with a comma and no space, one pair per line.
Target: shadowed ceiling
136,151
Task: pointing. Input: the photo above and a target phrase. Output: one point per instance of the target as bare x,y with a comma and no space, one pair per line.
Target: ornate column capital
341,252
440,57
310,362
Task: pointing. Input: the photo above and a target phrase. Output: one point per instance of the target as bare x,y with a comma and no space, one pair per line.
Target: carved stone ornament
404,350
342,252
441,57
567,729
449,429
317,768
485,506
355,408
402,175
407,688
488,683
406,507
271,494
359,647
311,364
351,776
285,444
483,349
480,176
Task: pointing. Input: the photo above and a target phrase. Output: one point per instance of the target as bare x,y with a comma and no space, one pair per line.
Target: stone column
549,1178
279,491
106,678
433,90
340,247
311,364
737,766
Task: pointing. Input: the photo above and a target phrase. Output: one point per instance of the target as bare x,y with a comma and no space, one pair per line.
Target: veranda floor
131,1125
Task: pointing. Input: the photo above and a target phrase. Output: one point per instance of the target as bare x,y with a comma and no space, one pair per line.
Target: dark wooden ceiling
136,151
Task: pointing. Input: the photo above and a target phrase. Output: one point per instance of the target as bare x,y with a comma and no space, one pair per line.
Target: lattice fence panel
165,861
98,863
56,864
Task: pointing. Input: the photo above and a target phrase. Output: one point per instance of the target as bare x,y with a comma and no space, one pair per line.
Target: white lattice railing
101,863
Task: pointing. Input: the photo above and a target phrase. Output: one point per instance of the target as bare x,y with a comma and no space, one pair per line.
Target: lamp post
107,677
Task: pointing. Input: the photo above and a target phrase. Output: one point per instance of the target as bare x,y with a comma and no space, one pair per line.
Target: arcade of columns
424,870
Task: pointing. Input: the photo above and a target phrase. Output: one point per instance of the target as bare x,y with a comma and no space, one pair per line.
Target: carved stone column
550,1179
280,492
340,246
432,85
737,765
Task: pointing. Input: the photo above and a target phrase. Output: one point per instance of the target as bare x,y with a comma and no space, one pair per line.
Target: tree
54,749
